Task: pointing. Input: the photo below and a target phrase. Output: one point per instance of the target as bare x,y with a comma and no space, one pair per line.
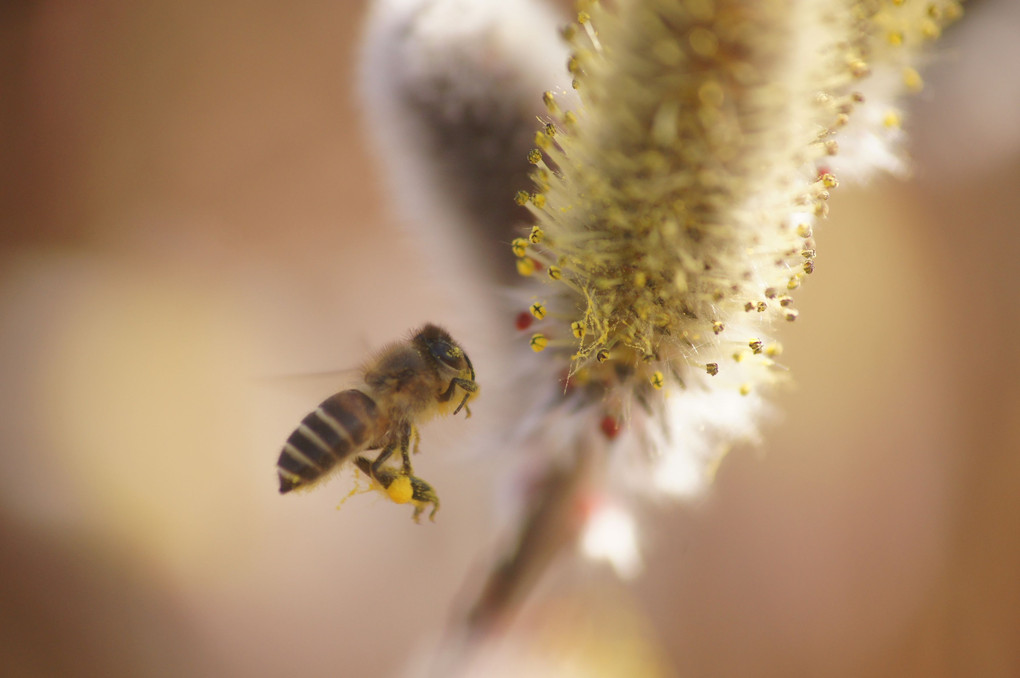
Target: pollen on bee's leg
354,490
423,495
400,490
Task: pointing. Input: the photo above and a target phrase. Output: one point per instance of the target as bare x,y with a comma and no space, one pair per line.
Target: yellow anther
809,267
930,30
542,140
550,129
912,80
858,68
526,266
640,279
745,389
519,246
569,119
583,17
578,329
711,93
793,283
538,200
892,120
761,306
774,349
602,355
703,42
536,235
756,345
717,327
534,156
522,197
538,342
573,65
829,180
790,314
804,230
895,38
555,272
550,102
538,310
712,368
657,379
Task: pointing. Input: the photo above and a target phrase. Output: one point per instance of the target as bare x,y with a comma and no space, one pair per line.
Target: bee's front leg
469,387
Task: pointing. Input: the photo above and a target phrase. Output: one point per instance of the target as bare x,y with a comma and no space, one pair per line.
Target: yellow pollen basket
400,491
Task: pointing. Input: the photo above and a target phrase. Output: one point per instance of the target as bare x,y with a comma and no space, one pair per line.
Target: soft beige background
191,222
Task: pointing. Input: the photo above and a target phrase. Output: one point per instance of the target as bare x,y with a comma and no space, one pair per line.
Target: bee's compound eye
449,354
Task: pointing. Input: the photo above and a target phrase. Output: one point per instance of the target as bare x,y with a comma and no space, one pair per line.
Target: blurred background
194,239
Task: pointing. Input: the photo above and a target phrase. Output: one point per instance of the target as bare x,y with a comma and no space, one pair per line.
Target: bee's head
448,355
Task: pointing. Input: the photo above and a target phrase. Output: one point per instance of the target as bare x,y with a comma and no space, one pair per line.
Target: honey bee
406,384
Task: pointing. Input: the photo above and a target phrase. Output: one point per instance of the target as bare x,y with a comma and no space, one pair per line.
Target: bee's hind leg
406,434
403,443
422,495
402,489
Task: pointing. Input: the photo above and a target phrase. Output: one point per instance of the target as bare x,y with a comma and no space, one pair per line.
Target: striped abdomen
338,428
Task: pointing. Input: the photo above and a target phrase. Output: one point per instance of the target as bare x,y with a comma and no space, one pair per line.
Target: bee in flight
406,384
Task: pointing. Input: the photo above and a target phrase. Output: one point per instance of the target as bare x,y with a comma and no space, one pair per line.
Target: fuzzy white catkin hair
452,98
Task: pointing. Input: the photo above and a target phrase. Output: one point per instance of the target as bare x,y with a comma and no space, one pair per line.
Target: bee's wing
314,380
